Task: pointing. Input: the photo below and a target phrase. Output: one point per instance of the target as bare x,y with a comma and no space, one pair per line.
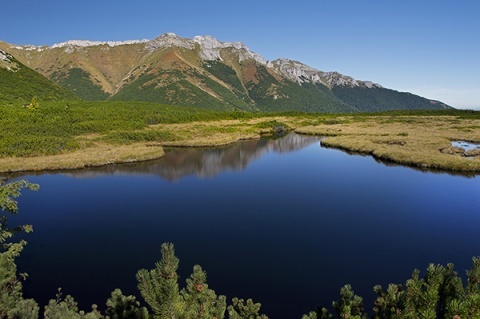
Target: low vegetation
439,294
73,134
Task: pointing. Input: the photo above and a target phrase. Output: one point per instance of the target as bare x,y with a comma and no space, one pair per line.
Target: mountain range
201,72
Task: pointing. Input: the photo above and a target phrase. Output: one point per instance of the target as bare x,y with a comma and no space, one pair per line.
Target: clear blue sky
427,47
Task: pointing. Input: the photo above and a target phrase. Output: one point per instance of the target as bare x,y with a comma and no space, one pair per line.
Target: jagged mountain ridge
203,72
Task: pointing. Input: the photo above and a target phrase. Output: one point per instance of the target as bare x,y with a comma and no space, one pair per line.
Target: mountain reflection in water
204,162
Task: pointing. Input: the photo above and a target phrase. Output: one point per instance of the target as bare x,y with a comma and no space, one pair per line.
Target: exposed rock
299,72
453,150
390,142
472,153
6,61
210,49
3,56
168,40
87,43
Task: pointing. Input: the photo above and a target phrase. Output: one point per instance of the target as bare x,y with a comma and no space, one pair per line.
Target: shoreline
88,158
80,159
55,163
414,141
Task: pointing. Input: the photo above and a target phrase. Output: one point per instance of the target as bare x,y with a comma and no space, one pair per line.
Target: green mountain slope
19,83
362,96
78,82
381,99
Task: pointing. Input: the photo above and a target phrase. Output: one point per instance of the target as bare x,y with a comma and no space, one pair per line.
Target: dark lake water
285,222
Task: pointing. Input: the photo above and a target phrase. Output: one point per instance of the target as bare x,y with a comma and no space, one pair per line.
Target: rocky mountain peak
300,73
169,40
210,49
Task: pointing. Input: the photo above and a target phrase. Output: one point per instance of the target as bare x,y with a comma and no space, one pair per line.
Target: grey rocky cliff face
209,47
301,73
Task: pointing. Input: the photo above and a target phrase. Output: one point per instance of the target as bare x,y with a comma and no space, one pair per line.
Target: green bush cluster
52,127
440,294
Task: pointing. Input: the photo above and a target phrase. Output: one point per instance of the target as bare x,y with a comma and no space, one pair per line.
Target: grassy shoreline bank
418,141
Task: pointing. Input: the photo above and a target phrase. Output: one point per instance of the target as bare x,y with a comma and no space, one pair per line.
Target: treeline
439,294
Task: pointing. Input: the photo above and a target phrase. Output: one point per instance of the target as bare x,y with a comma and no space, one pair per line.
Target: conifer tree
468,306
8,205
124,307
310,315
389,304
451,289
241,309
350,305
159,286
199,300
160,289
425,298
24,309
67,308
473,277
12,304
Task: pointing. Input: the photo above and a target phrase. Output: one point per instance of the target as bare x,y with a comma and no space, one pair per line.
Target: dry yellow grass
411,140
97,154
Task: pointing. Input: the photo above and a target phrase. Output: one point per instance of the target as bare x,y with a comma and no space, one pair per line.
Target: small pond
467,146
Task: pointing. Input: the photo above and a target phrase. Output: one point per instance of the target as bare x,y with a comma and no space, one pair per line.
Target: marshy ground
96,134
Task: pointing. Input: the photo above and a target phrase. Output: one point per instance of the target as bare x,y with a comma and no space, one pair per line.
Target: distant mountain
20,83
207,73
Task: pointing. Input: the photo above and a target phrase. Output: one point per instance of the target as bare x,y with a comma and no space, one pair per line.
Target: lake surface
285,222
